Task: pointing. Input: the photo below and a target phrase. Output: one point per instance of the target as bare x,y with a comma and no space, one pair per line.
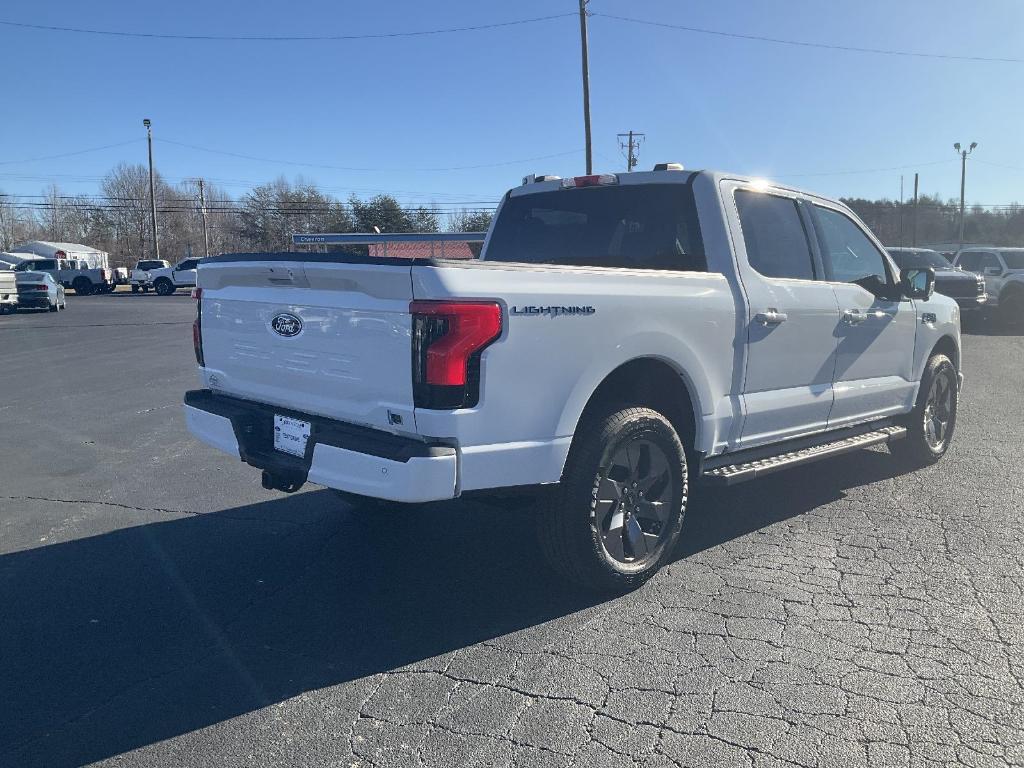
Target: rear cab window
776,241
632,226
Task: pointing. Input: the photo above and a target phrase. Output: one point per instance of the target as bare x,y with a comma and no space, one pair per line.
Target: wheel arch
656,383
947,346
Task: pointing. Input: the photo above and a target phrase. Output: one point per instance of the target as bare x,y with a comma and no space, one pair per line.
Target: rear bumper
36,302
350,458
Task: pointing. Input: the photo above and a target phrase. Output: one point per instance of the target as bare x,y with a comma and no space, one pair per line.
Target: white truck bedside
620,337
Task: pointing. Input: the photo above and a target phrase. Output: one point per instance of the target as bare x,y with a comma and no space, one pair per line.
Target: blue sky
402,106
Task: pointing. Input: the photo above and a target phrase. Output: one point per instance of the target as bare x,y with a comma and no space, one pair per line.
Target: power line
283,38
809,44
999,165
70,154
352,168
863,170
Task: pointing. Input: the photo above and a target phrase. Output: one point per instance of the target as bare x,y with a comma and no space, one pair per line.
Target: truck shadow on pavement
120,640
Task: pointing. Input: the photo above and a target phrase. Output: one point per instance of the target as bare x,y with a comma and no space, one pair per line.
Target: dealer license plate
290,435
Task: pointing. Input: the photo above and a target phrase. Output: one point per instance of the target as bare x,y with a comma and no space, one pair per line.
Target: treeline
118,219
938,221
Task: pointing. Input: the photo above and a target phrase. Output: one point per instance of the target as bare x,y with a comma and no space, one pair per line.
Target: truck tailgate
322,337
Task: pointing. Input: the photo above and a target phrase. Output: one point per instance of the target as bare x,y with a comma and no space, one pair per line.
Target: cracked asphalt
157,607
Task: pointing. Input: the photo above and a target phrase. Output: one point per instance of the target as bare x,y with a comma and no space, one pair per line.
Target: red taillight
197,327
448,337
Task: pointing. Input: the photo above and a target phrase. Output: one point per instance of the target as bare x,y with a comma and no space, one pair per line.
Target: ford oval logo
286,325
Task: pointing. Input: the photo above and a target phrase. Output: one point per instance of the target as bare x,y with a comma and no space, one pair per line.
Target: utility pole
202,209
586,84
152,190
631,144
963,182
913,230
901,210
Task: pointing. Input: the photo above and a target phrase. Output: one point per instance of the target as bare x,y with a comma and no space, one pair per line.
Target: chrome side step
731,474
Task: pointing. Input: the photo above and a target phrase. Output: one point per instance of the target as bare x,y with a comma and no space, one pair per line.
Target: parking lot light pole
152,190
963,180
586,84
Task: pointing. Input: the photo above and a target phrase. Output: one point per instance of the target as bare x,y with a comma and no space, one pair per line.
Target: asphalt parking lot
157,607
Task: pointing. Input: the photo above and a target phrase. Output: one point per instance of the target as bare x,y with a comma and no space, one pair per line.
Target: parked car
72,274
38,290
1003,272
8,292
166,280
621,337
140,278
967,288
122,276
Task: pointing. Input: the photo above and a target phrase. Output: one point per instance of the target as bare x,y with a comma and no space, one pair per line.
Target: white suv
1003,270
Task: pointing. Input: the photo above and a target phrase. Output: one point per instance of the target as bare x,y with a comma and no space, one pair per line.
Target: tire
83,286
937,401
135,289
587,531
164,287
55,307
1011,309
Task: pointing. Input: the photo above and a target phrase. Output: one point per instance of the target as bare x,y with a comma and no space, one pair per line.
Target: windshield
912,259
649,226
1013,259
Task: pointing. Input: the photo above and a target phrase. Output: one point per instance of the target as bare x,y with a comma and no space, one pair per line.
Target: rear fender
672,351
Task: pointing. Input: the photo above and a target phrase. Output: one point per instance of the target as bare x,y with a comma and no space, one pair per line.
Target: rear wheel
931,424
135,289
164,287
83,286
615,518
55,307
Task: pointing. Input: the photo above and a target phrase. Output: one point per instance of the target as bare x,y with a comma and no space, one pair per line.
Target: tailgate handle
286,275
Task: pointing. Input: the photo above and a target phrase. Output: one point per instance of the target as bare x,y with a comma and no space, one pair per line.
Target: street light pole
963,182
586,84
152,189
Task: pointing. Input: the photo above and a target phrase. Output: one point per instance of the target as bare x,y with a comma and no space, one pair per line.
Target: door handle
853,316
771,317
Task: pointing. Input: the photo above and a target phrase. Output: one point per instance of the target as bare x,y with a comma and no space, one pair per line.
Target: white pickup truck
166,280
619,338
141,279
72,274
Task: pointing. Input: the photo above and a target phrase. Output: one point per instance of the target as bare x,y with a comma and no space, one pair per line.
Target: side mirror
917,283
993,271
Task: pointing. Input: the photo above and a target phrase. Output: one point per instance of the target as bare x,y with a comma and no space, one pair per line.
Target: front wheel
930,425
1011,309
164,287
616,516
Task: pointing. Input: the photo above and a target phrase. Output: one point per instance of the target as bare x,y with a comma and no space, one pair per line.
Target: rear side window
1013,259
636,226
777,243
